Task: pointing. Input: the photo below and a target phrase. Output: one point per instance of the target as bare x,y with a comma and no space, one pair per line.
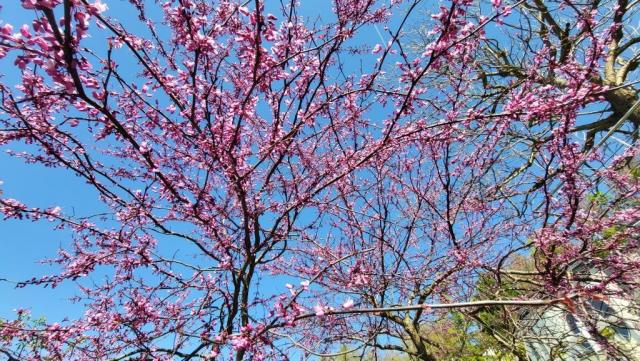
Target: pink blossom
319,309
6,29
347,304
99,6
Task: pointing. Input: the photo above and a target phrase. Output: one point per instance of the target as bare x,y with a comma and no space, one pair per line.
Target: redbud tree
279,185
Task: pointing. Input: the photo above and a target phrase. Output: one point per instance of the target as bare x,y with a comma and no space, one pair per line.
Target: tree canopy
289,179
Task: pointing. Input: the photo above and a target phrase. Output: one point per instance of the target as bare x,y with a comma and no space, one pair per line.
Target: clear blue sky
24,244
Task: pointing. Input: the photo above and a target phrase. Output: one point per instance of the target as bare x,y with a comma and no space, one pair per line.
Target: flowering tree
275,192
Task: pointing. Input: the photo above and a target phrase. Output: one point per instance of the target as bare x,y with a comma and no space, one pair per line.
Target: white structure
598,329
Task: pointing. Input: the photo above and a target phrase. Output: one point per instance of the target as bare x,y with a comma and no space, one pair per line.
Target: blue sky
25,243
